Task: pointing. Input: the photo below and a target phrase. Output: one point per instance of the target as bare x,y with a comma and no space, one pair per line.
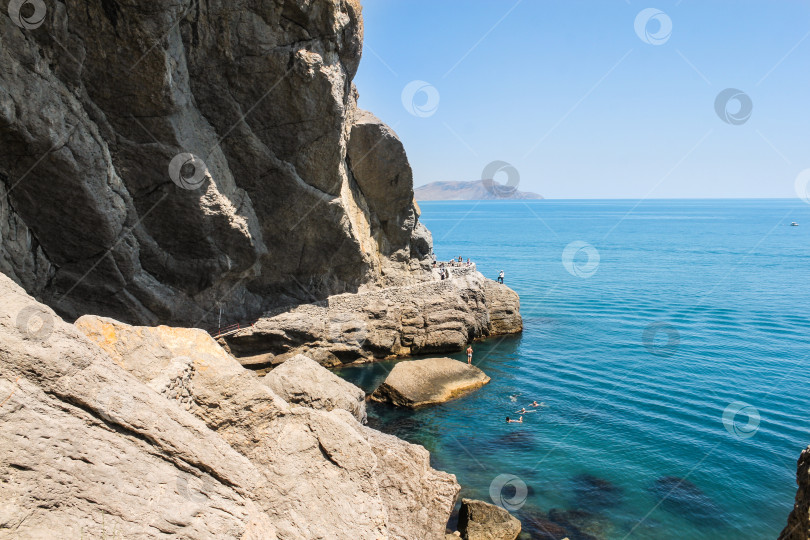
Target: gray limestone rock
478,520
430,317
162,161
798,523
301,381
417,383
329,477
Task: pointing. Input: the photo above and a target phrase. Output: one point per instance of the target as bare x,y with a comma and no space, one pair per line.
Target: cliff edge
798,525
161,162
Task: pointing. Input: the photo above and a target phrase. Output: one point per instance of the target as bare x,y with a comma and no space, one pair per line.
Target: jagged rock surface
301,196
302,381
87,450
430,317
97,415
798,525
417,383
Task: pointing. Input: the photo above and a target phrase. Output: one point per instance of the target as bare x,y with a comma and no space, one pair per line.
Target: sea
667,344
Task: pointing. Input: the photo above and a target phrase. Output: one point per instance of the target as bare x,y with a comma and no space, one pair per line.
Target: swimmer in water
510,421
534,404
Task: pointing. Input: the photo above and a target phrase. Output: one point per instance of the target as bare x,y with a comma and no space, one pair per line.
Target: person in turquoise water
469,355
510,421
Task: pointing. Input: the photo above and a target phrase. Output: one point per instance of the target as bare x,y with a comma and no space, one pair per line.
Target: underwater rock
681,496
593,492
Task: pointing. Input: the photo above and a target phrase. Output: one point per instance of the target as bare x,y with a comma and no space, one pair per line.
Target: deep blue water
631,442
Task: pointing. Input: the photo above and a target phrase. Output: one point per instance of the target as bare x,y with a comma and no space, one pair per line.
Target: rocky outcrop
301,381
165,162
478,520
82,442
417,383
798,525
94,416
431,317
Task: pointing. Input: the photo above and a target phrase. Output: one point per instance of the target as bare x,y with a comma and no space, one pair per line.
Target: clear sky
584,106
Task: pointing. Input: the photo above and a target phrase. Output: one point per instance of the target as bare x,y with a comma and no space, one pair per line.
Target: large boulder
104,210
478,520
302,381
798,523
431,317
332,477
417,383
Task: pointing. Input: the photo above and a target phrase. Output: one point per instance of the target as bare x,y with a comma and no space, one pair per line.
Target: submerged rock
594,492
539,527
798,523
581,524
681,496
417,383
302,381
478,520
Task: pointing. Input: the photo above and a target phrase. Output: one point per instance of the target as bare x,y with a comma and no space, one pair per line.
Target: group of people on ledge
444,273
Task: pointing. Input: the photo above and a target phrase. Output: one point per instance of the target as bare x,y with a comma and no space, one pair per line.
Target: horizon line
618,199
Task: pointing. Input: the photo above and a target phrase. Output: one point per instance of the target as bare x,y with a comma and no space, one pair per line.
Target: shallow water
631,442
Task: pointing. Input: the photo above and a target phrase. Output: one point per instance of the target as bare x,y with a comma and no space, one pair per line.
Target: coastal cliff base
432,317
798,525
109,429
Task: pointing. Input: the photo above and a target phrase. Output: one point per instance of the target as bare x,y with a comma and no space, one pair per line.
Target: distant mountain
477,190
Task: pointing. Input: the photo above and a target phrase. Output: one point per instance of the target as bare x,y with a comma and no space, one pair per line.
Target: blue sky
581,106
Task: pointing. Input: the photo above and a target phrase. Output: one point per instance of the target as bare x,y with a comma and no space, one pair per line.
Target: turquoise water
631,442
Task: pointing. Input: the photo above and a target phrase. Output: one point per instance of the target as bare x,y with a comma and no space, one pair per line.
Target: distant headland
470,191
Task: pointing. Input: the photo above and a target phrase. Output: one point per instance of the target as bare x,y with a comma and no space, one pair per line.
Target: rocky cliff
162,161
430,317
798,525
109,430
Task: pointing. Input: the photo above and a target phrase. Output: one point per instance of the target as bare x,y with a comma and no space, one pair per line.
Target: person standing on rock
500,277
469,355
